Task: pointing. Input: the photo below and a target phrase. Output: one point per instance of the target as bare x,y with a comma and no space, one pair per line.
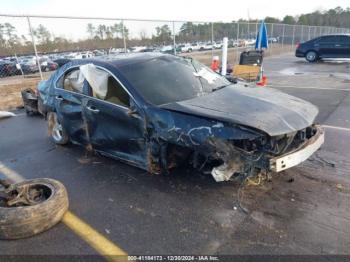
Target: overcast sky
221,10
189,10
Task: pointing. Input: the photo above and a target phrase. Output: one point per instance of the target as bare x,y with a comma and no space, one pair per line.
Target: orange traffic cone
215,64
263,81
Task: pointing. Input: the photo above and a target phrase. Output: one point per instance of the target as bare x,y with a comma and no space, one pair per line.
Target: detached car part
30,101
30,207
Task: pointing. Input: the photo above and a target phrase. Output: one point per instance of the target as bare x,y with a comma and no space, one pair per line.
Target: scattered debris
290,180
6,114
30,101
339,186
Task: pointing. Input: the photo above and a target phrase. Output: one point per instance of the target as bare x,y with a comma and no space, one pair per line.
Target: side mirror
132,112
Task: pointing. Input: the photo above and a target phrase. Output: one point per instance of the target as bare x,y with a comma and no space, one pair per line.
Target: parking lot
304,210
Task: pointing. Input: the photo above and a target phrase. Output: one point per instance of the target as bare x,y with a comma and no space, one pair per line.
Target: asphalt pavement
304,210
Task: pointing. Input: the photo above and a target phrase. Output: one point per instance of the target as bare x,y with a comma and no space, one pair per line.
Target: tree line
107,36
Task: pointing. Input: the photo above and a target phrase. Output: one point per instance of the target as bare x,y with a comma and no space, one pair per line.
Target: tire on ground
25,221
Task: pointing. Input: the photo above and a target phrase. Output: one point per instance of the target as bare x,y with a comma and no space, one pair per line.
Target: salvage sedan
157,111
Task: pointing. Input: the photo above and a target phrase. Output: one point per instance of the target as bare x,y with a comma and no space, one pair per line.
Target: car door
69,99
326,46
115,126
343,46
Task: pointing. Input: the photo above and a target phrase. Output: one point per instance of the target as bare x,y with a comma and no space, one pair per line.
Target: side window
116,94
326,39
104,86
343,39
72,81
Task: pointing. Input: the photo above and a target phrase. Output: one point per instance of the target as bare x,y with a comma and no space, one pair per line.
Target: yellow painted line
97,241
10,174
337,127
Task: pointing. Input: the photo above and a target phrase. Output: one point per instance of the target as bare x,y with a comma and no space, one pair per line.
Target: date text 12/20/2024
173,258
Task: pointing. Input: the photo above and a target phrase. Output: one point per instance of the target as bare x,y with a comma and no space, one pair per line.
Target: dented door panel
113,131
69,111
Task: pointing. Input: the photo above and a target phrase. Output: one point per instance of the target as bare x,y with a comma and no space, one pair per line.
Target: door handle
93,109
59,97
337,45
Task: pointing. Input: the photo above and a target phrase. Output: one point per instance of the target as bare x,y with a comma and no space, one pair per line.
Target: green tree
2,35
42,34
288,19
163,34
9,31
269,19
117,30
101,31
303,20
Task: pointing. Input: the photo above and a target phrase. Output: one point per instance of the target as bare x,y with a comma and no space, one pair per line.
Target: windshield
168,79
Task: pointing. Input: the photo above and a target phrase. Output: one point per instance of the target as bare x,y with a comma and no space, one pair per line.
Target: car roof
335,35
120,60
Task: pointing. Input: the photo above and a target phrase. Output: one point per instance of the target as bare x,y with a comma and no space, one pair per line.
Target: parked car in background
167,49
147,49
158,111
136,49
218,45
8,68
273,39
48,65
29,66
232,43
205,46
327,46
61,61
188,48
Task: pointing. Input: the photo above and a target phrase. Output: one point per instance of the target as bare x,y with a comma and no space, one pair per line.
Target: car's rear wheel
57,132
311,56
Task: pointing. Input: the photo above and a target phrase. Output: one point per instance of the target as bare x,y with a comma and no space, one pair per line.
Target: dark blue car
327,46
157,111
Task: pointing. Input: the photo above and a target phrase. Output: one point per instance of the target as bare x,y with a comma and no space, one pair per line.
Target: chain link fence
32,47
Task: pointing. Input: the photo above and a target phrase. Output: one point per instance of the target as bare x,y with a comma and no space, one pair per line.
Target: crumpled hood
266,109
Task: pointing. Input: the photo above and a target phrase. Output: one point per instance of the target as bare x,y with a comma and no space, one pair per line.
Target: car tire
311,56
56,131
28,220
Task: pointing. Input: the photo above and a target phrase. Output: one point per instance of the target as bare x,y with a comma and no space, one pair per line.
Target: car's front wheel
57,132
311,56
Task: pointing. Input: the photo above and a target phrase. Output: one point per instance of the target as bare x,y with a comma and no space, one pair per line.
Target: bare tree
91,30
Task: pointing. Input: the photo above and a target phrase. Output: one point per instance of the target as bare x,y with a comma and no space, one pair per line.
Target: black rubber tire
26,221
311,56
51,120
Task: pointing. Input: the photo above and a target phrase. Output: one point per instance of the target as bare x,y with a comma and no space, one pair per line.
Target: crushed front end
244,158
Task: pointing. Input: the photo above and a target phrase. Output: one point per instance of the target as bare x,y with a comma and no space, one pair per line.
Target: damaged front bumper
298,155
234,160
